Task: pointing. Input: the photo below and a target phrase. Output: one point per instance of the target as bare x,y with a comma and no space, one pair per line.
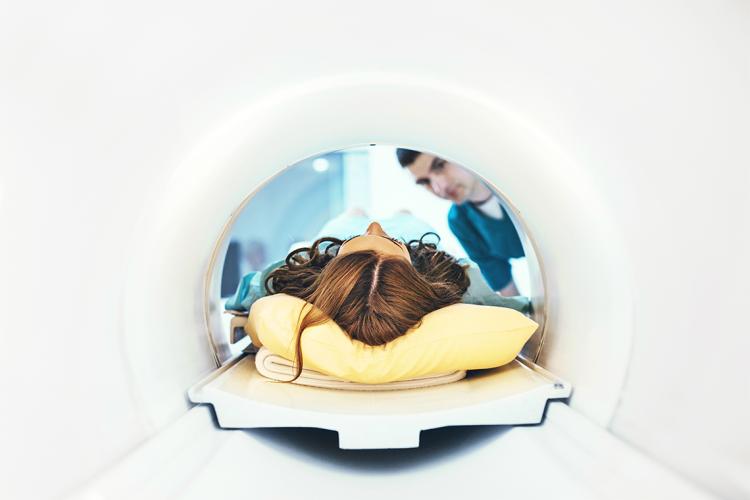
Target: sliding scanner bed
513,394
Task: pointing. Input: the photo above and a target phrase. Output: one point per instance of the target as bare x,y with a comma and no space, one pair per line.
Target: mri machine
132,134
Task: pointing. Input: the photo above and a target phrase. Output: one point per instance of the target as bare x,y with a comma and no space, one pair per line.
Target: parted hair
374,298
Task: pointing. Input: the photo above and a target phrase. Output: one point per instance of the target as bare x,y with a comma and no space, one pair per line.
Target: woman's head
375,288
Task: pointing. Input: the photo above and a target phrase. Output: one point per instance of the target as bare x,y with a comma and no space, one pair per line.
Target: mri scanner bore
348,274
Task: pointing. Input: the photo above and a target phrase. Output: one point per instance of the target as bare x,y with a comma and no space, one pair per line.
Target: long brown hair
375,298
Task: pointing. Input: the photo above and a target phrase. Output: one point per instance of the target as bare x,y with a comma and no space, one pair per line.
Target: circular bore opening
588,298
409,192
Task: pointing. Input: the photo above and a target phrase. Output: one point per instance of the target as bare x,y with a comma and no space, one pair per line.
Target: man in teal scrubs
477,217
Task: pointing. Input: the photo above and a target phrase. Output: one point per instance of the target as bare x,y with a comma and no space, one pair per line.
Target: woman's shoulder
252,286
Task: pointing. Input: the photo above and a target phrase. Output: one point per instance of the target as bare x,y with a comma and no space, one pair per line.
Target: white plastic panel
567,458
512,394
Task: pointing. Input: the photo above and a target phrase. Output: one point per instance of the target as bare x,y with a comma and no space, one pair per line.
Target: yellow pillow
457,337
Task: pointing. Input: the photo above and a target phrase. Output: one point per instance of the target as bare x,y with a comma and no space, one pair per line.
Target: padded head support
457,337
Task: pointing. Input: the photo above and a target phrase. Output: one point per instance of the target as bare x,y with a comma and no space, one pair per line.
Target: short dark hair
406,156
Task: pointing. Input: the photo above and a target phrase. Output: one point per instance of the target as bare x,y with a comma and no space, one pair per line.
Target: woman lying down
373,286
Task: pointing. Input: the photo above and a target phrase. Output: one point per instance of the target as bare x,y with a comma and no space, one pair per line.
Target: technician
477,217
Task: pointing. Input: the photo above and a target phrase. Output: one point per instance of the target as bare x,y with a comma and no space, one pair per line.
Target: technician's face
377,240
447,180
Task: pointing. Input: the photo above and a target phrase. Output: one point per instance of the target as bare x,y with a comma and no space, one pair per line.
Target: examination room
410,250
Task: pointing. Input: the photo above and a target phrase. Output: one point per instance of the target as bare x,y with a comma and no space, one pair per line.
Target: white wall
100,104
